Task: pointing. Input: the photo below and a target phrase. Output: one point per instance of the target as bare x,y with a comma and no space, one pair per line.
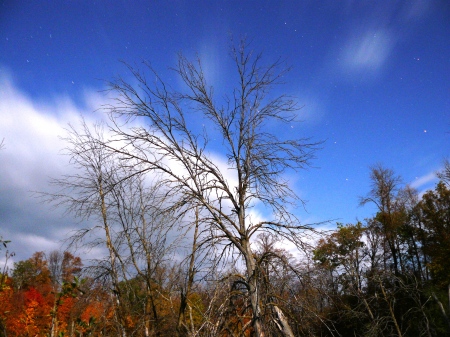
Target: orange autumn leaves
34,303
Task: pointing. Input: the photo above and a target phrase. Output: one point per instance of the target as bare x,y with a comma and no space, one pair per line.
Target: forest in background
386,276
185,255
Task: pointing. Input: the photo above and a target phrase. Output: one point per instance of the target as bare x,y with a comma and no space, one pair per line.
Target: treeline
386,276
390,275
182,251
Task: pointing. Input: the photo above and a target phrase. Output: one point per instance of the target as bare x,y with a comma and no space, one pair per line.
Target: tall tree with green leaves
383,194
435,208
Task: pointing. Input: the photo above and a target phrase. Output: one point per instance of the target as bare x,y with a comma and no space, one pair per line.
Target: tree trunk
190,282
112,256
442,310
253,290
282,322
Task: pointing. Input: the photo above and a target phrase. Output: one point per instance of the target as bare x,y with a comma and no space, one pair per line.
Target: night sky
373,78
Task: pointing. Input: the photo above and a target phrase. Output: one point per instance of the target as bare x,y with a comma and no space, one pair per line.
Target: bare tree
143,241
85,193
167,142
129,220
186,288
444,174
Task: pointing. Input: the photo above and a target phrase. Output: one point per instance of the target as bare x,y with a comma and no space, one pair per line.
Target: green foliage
24,274
390,277
341,247
31,272
435,207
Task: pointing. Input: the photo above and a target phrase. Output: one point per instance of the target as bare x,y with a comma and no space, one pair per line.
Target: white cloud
423,180
368,50
31,133
373,37
31,155
312,111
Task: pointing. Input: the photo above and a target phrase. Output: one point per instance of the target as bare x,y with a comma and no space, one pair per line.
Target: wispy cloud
312,109
416,9
423,180
368,51
372,40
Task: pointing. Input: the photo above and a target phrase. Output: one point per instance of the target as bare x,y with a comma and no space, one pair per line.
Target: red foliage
30,314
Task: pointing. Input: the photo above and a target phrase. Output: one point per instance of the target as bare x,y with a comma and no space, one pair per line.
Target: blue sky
373,77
